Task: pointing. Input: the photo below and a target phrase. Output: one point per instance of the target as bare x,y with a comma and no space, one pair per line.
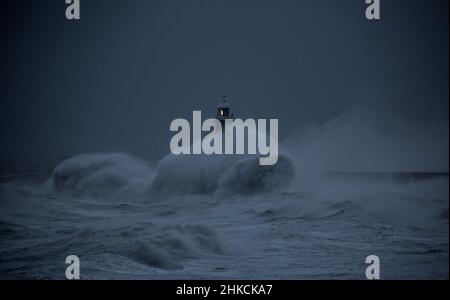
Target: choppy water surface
217,218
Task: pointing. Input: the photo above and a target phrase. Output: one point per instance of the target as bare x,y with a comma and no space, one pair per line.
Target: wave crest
226,175
100,175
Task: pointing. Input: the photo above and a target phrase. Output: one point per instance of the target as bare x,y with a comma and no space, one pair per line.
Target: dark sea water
211,219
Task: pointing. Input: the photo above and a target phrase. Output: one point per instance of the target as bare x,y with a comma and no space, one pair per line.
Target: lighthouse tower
223,111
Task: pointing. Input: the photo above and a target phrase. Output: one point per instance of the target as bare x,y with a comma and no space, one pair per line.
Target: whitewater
227,217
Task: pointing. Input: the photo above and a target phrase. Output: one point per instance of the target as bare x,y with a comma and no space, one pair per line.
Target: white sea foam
101,175
226,175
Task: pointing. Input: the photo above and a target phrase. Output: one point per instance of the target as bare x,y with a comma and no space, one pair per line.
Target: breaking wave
101,175
227,176
160,246
247,177
119,175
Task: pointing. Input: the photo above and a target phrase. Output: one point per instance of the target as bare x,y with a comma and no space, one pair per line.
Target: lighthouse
223,111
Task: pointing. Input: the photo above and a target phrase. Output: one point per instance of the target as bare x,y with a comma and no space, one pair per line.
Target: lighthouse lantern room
223,111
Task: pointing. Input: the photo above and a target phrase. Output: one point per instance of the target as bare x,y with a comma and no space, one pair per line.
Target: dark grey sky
114,80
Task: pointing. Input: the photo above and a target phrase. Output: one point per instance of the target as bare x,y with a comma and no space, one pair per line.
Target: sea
217,218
